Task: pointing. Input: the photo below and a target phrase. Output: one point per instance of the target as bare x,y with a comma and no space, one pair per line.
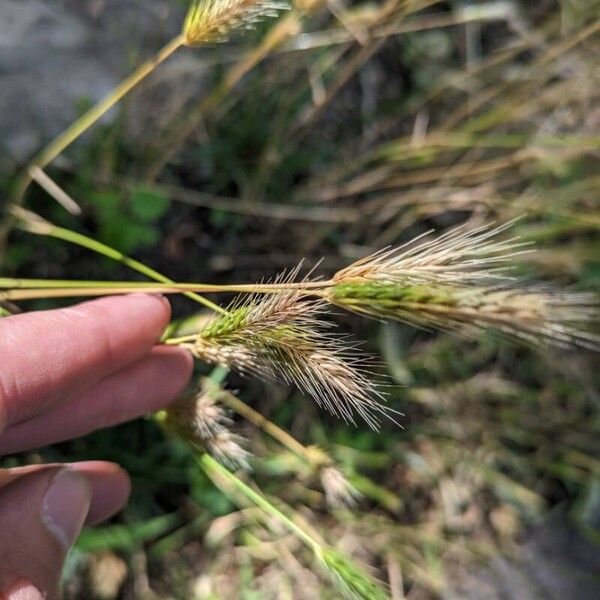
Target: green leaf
106,203
148,205
126,537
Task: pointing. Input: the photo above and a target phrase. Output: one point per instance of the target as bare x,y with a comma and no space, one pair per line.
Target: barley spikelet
457,282
203,422
283,337
211,21
339,492
461,255
354,583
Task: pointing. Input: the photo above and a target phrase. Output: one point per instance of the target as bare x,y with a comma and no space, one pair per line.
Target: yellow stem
84,122
260,421
19,292
180,340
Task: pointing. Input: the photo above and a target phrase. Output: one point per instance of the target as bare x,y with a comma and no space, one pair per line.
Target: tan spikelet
211,21
462,254
458,282
284,337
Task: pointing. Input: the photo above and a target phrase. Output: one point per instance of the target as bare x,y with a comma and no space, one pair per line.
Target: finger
145,387
110,485
47,355
41,515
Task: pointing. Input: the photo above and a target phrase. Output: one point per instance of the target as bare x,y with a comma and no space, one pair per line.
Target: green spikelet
352,581
227,324
283,337
530,314
390,295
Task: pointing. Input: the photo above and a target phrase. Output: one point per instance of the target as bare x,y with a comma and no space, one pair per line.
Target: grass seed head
210,21
532,315
463,254
457,282
283,336
339,492
230,449
351,579
204,423
210,417
201,416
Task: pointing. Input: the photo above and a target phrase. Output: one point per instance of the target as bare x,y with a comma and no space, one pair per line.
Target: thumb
41,515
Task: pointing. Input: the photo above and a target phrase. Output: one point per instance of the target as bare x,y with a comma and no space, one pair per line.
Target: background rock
55,54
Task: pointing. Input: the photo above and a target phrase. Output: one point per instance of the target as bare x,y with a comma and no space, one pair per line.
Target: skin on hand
65,373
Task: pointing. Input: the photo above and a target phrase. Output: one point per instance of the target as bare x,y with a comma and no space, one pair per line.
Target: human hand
63,374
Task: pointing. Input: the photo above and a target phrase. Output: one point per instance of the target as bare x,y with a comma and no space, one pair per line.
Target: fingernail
164,300
158,296
65,506
24,590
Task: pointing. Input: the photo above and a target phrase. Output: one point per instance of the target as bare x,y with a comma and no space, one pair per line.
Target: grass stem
81,125
41,227
213,468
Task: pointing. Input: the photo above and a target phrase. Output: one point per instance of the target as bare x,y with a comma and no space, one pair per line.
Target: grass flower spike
530,315
463,254
211,21
230,449
458,282
339,492
283,336
203,422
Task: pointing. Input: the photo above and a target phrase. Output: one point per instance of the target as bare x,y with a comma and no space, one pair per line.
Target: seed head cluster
457,282
204,422
210,21
339,492
283,336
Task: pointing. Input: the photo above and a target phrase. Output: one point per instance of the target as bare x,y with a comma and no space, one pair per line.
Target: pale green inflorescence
530,314
210,21
284,337
351,579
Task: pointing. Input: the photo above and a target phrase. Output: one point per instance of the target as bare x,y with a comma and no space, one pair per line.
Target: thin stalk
173,286
45,228
178,341
211,467
79,292
260,421
24,289
52,284
84,122
350,578
54,190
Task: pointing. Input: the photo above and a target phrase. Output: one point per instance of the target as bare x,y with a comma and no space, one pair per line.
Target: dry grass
495,433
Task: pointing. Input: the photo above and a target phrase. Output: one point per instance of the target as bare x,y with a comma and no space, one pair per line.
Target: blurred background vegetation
334,130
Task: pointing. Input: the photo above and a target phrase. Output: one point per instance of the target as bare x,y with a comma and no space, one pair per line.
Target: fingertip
50,355
178,362
164,306
150,385
23,589
111,487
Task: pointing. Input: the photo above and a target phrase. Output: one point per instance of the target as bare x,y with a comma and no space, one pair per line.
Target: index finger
47,356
